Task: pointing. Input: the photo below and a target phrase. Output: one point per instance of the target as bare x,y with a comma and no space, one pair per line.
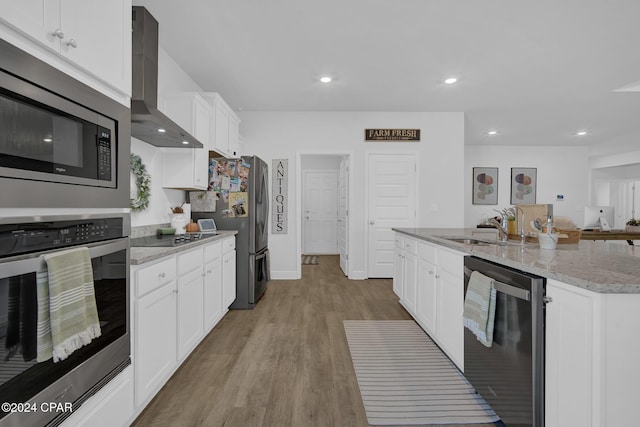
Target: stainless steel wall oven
62,143
23,242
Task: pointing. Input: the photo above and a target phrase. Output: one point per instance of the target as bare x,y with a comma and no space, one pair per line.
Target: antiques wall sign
280,202
402,135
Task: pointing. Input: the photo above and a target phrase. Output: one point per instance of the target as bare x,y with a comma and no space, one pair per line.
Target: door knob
58,33
372,222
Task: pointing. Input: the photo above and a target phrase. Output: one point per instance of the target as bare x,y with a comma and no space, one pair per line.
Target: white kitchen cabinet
410,290
188,168
427,302
190,301
221,128
93,36
190,111
111,406
398,266
569,366
213,310
429,280
176,300
155,343
185,168
450,301
225,130
234,135
592,351
228,272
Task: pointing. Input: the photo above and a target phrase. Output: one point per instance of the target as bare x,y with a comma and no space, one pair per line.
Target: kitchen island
591,339
593,265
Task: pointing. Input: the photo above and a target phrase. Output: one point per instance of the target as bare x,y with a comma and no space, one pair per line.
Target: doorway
320,212
324,206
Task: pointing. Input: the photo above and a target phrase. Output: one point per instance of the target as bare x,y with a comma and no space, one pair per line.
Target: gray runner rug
405,379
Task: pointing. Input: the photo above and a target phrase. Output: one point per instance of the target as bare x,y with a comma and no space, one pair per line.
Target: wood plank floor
284,364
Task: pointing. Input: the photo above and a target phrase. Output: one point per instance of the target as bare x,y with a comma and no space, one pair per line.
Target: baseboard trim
358,275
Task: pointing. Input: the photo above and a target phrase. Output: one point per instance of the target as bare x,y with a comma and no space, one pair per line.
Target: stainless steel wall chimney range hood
147,122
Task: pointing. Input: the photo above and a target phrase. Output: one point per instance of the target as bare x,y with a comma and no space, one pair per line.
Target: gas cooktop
163,240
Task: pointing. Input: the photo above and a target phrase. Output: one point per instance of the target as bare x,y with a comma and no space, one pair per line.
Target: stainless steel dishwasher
509,375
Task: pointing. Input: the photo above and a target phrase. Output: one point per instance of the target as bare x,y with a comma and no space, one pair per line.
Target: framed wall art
485,186
523,185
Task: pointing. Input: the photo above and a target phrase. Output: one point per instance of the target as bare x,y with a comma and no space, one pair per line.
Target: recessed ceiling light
48,140
326,79
161,130
451,80
492,132
185,142
581,133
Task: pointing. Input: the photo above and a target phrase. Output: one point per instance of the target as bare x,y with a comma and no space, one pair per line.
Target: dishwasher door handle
512,290
504,288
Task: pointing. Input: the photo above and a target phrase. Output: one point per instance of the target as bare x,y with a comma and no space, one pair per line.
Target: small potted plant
633,226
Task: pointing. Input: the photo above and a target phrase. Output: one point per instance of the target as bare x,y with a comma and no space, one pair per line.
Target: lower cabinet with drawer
190,301
155,339
176,301
431,288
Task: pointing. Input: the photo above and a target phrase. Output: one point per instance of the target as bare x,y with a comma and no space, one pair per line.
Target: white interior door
343,223
320,213
391,187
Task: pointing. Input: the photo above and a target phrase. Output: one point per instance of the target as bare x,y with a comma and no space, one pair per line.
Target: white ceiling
536,70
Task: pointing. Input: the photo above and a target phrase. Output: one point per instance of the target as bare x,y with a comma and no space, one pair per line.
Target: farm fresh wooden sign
403,135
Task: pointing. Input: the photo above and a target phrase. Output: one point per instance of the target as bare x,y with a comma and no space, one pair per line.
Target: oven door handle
30,263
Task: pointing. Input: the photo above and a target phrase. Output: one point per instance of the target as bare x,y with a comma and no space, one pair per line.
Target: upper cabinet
87,39
225,135
188,168
192,113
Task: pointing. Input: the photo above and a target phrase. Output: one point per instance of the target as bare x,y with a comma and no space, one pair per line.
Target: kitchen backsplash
146,230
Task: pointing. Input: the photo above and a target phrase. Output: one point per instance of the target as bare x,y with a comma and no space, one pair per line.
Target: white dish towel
480,307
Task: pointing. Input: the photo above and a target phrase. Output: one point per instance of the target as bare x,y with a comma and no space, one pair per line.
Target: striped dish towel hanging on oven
67,312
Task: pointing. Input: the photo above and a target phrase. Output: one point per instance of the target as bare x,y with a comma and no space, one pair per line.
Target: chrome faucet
504,236
523,234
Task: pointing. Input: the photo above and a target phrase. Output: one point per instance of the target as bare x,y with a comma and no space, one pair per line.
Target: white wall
320,162
274,135
560,170
171,79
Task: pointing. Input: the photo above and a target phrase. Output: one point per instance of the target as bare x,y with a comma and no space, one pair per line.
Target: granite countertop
597,266
141,255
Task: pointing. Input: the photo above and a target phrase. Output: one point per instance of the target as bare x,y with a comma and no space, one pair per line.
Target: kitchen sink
466,240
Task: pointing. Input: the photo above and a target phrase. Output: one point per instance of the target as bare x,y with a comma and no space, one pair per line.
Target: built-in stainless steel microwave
47,137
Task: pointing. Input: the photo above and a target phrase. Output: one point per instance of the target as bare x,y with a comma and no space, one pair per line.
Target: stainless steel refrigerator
242,187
